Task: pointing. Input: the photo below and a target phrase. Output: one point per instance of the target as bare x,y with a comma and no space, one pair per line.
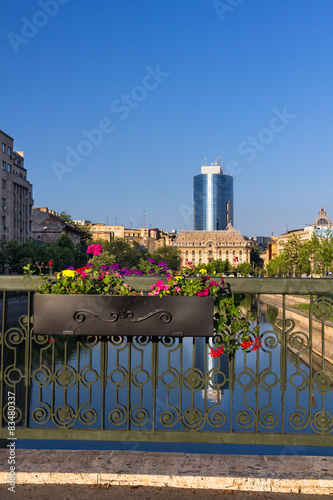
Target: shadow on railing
170,389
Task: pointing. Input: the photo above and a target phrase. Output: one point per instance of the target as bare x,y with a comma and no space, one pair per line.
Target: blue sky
168,84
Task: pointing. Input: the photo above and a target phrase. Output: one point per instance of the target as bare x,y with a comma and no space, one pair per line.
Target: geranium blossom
215,353
95,249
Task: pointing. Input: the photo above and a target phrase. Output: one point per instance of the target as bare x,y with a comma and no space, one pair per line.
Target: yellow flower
203,271
68,272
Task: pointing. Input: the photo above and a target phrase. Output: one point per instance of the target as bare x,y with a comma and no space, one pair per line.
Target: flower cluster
232,330
95,249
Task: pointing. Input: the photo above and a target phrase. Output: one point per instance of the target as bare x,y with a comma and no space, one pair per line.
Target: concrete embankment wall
301,320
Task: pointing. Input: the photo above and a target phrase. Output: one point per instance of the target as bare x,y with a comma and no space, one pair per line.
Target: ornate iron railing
171,390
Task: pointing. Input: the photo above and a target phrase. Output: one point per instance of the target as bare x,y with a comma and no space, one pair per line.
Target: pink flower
95,249
203,293
213,283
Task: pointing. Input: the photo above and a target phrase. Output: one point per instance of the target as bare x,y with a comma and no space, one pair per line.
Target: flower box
176,316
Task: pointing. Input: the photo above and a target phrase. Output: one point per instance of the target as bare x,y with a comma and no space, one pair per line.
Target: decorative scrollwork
12,375
299,419
268,379
64,416
139,416
245,418
220,376
216,418
65,377
268,419
88,376
42,376
322,421
170,378
89,340
80,316
192,418
300,380
139,377
193,379
247,379
118,416
169,417
270,339
288,325
119,376
322,308
14,337
87,416
42,414
323,381
299,341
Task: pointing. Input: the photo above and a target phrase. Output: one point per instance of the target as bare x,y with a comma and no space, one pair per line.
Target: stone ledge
279,474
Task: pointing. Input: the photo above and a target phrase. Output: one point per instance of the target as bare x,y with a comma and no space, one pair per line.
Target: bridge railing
164,389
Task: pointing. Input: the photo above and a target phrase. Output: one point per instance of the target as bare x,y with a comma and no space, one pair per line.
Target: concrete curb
278,474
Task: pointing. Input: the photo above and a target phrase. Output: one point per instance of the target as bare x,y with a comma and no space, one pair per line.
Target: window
3,164
3,147
9,168
3,184
3,220
9,151
3,203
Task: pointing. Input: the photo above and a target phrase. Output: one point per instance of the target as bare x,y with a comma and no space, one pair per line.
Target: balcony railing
169,389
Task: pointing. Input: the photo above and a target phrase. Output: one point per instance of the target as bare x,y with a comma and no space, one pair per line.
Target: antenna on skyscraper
144,218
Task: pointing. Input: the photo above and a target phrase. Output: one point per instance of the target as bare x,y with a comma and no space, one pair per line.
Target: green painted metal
171,390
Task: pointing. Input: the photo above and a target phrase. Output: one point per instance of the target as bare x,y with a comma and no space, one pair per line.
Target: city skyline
116,114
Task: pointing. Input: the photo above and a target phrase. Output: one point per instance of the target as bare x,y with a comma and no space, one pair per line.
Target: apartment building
16,193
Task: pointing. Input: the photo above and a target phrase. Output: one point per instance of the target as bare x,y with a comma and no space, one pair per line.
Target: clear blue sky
171,83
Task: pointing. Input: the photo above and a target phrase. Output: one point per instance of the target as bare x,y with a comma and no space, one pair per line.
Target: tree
244,268
66,217
169,255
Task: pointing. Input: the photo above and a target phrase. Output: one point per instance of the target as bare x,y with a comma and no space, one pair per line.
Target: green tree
244,268
66,217
169,255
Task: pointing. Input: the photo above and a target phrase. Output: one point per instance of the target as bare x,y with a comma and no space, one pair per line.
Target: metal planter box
123,315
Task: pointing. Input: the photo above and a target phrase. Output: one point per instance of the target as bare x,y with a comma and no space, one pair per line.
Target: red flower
247,344
215,353
203,292
50,263
257,344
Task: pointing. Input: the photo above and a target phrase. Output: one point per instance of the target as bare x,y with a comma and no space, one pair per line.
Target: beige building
17,201
149,238
202,247
321,224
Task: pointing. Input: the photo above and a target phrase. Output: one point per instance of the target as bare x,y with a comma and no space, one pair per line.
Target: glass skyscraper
213,199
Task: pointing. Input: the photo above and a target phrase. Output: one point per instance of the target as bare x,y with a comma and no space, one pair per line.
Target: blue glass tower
213,199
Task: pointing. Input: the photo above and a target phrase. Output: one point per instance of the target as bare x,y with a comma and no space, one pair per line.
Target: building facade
320,225
202,247
17,200
149,238
48,227
213,199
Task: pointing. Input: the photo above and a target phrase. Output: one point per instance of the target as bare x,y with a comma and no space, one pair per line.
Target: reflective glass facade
213,201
